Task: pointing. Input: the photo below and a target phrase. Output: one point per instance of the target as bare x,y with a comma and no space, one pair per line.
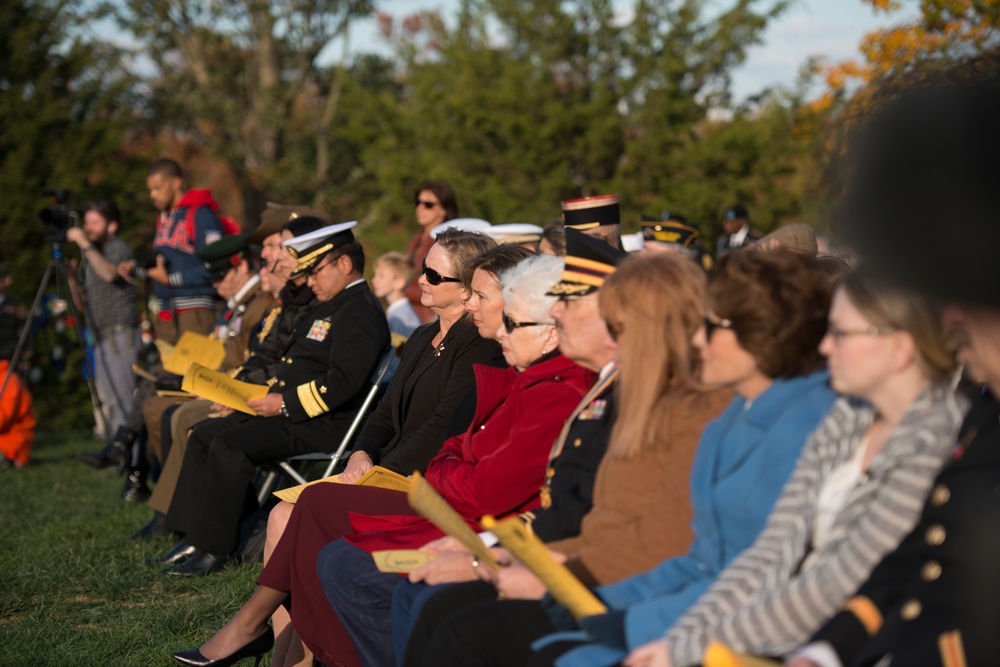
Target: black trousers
215,488
491,633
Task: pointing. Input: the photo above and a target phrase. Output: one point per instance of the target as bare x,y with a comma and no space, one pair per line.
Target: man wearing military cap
272,337
317,390
736,230
597,216
673,233
232,267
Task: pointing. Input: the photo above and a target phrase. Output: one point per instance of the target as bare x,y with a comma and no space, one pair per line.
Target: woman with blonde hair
641,513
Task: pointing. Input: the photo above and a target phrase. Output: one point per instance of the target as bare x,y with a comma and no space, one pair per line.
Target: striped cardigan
762,603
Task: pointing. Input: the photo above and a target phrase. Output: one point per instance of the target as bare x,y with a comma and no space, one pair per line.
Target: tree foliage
66,106
243,77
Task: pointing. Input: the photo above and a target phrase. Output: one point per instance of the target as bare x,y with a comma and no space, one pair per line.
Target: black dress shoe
135,489
180,553
258,647
157,527
198,565
102,459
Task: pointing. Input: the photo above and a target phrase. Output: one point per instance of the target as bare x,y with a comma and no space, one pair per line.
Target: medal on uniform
319,330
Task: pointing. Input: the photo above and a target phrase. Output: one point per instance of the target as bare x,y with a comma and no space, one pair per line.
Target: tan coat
642,505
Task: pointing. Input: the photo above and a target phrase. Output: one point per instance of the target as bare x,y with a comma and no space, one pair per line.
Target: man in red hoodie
185,299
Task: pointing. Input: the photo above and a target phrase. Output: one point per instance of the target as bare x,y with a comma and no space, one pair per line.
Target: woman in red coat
496,468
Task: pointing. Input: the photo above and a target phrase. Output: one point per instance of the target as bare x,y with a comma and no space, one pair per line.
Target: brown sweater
642,505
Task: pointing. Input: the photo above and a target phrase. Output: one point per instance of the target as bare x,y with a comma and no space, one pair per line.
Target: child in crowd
393,272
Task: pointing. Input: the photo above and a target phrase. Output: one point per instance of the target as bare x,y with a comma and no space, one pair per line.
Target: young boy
393,272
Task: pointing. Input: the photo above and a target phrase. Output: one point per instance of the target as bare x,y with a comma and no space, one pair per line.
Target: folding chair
286,468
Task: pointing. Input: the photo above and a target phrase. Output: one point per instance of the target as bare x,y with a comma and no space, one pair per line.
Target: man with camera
109,304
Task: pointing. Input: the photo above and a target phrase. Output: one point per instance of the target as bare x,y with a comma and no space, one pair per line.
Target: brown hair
462,246
442,190
659,300
494,262
398,263
891,308
778,302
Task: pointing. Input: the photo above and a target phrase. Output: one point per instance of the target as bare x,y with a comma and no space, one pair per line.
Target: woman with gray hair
496,467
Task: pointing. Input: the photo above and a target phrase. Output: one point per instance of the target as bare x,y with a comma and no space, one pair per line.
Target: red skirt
321,516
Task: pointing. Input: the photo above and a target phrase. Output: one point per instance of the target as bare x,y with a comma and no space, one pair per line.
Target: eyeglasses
316,268
426,204
711,325
615,329
435,278
509,323
838,334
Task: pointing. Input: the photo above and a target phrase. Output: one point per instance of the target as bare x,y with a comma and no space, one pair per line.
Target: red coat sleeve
508,455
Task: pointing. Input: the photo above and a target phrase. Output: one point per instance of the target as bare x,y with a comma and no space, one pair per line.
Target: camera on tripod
59,218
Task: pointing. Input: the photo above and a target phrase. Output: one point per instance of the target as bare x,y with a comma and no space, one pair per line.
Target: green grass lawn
74,590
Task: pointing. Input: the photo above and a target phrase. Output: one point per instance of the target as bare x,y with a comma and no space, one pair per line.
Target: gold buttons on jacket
931,570
940,495
935,535
577,442
288,361
281,383
910,610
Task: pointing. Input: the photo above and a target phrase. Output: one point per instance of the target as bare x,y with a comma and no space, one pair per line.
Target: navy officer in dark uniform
319,386
935,600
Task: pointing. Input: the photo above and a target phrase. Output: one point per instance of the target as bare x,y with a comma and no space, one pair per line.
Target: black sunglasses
509,323
426,204
711,325
435,278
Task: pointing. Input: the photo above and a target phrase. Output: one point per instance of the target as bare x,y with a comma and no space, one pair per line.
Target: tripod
57,267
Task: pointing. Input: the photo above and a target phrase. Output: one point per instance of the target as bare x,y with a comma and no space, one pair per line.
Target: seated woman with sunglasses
767,313
495,467
856,491
641,513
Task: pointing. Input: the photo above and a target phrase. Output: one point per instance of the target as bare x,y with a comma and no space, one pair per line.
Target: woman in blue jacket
767,313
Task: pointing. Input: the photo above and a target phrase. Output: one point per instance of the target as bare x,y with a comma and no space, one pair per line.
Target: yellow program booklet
401,560
194,348
560,582
379,477
430,505
220,388
720,655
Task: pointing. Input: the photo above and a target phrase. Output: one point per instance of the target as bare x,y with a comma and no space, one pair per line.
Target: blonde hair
891,308
398,263
658,302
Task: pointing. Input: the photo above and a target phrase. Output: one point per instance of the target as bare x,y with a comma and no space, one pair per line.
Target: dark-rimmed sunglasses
711,325
509,323
426,204
435,278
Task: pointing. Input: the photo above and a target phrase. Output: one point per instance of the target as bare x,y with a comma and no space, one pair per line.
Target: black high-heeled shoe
256,648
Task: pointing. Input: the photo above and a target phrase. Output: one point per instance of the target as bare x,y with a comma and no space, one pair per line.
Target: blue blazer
744,459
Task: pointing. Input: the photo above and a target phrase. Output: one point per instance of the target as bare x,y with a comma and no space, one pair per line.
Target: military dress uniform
935,600
568,493
322,378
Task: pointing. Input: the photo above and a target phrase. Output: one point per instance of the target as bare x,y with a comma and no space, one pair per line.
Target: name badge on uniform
319,330
593,411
